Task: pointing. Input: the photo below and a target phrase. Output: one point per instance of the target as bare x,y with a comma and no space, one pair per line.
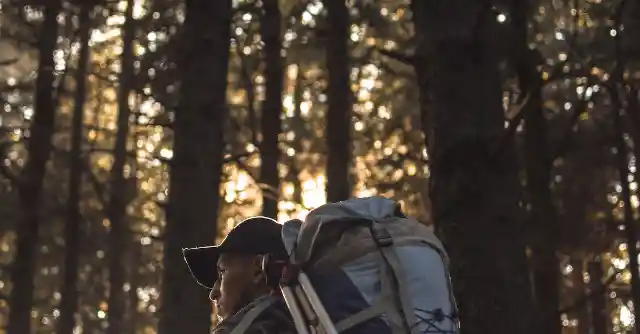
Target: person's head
233,270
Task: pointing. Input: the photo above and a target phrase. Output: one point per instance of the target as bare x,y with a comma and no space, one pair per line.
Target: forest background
133,128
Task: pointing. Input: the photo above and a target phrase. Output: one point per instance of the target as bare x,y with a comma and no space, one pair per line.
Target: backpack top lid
300,237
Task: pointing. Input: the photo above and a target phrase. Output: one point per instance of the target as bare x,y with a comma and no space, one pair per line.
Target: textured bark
39,148
119,234
271,123
598,304
194,181
474,187
338,120
538,163
73,231
622,164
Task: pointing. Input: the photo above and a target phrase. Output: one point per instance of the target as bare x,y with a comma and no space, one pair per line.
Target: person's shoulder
275,319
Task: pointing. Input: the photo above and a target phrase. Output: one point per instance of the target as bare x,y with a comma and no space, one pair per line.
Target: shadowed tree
30,185
338,120
196,167
271,122
538,162
119,237
72,229
474,184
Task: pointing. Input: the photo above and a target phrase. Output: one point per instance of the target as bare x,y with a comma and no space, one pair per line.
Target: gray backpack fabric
374,269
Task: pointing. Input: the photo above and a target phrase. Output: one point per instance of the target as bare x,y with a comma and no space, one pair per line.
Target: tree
338,120
271,122
475,188
30,186
196,167
538,162
73,230
119,237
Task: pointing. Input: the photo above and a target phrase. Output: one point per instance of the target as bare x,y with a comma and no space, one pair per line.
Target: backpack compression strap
251,315
384,240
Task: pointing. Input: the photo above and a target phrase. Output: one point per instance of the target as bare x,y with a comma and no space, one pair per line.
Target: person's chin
221,312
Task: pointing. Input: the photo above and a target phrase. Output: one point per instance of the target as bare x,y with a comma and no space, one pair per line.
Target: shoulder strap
251,315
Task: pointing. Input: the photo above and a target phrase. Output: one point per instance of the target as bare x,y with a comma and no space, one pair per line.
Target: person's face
236,279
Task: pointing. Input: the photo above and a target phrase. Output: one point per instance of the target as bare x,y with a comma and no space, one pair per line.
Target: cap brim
202,263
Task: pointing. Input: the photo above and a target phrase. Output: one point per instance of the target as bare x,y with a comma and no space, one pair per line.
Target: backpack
373,269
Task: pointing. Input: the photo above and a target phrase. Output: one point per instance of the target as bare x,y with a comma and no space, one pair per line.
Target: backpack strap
385,304
251,315
384,240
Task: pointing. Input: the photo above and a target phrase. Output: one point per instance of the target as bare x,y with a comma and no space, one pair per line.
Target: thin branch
8,62
398,56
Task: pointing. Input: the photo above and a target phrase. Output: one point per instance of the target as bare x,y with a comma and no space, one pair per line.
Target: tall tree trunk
119,237
538,163
633,114
475,188
31,183
616,89
194,181
134,279
69,301
271,124
338,120
622,164
582,313
597,303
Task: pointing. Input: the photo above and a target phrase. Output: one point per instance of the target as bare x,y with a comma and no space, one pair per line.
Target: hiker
244,292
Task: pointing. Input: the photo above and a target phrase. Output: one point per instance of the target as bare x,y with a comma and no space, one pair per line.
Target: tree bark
538,163
622,164
196,167
338,120
69,300
119,236
474,187
39,148
271,123
598,300
616,87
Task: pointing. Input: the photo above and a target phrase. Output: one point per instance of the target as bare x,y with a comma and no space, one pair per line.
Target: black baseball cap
254,236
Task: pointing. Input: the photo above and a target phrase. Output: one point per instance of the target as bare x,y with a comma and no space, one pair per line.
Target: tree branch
9,61
398,56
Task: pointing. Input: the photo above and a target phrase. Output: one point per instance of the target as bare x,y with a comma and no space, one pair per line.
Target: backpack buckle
381,236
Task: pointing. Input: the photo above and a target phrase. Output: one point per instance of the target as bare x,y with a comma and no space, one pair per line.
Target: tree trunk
598,304
135,281
633,114
538,163
582,313
194,181
30,187
119,237
622,164
69,301
338,126
616,89
474,187
271,123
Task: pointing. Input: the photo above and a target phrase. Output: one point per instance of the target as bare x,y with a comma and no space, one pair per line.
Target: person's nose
215,292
